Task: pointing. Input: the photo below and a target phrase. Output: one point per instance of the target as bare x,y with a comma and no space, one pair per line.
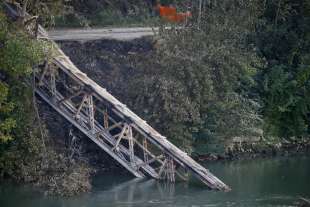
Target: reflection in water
269,182
138,192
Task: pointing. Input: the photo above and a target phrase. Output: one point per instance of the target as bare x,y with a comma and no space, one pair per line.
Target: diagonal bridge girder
110,124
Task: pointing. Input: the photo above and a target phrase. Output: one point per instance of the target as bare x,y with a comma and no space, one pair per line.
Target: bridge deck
83,103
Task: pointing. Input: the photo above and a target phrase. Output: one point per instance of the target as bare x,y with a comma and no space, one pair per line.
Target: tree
283,40
17,56
47,10
6,123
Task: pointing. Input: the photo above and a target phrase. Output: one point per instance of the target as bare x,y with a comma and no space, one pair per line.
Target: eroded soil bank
108,62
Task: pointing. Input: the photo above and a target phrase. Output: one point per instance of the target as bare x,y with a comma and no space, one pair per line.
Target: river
260,182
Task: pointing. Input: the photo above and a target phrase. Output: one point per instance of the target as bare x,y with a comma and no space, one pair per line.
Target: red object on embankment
170,14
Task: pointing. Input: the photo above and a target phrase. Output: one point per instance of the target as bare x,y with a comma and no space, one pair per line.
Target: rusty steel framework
110,124
102,123
115,133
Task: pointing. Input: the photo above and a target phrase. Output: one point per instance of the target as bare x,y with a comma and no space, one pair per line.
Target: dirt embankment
110,63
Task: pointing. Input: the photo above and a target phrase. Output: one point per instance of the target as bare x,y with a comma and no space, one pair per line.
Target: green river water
261,182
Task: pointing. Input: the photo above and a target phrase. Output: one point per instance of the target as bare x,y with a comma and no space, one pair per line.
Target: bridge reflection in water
127,192
138,192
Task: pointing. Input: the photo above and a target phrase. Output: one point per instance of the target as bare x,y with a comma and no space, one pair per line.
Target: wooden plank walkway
110,124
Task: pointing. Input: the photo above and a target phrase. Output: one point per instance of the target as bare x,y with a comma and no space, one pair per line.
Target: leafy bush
283,40
18,54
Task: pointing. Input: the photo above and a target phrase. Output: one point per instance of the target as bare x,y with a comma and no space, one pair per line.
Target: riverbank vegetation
240,74
26,153
243,75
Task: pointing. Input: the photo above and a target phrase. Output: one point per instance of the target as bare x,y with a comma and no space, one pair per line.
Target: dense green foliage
46,10
243,75
18,54
283,37
26,154
20,141
19,135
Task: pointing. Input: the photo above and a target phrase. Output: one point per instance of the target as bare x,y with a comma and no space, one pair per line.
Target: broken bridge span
127,138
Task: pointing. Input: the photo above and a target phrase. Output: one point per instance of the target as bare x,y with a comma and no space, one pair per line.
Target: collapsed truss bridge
117,130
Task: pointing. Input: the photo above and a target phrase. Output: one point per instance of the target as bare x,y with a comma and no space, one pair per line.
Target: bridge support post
167,170
170,170
88,103
90,112
53,84
106,119
145,155
44,72
131,147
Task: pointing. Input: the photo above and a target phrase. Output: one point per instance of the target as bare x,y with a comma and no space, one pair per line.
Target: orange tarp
165,11
170,13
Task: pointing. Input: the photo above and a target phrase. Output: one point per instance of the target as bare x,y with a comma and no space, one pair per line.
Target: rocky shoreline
263,149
